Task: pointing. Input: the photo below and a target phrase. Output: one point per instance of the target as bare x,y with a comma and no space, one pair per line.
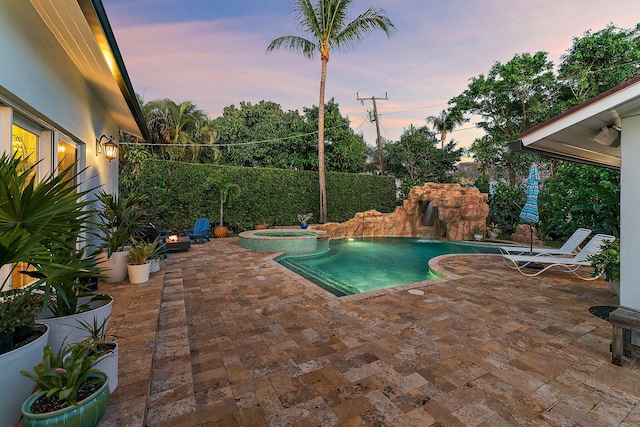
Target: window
67,156
24,143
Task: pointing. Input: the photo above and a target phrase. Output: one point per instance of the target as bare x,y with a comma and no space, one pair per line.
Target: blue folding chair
200,231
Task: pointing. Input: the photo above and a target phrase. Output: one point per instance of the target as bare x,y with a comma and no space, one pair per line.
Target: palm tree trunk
323,190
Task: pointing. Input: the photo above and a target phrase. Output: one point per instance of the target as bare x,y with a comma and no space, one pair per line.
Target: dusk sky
212,52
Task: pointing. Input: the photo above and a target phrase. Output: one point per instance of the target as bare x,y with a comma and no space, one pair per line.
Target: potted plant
108,349
607,264
18,308
139,267
478,232
40,224
26,340
228,193
119,218
493,231
304,219
71,390
67,302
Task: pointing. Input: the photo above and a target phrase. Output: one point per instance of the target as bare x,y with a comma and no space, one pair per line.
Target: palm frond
294,43
356,30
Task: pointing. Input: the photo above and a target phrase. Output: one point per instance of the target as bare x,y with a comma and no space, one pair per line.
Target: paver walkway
225,337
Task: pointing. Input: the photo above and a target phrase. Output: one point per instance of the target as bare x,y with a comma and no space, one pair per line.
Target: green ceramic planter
87,414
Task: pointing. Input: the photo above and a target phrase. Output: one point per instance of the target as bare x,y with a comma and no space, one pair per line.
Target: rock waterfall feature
445,211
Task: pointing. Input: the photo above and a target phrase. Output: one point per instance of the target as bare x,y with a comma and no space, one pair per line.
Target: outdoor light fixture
109,148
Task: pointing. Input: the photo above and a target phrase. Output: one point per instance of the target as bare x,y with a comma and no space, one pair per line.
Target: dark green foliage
482,183
416,157
599,61
179,193
505,205
263,135
406,186
510,99
580,196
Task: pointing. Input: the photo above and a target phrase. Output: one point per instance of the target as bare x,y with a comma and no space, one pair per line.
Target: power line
237,143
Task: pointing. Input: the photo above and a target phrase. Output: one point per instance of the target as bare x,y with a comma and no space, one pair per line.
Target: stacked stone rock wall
457,211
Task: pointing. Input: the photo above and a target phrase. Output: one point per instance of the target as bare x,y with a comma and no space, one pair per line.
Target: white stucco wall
36,73
630,213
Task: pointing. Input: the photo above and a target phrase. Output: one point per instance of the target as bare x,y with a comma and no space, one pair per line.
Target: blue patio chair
200,231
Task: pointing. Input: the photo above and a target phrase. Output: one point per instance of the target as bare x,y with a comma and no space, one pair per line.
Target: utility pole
375,118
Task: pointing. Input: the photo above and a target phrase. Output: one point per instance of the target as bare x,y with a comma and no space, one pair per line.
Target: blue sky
212,52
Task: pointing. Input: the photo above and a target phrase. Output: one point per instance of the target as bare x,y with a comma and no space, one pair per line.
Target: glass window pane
25,144
67,155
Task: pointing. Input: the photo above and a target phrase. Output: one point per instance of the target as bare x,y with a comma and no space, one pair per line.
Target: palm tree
445,122
177,124
327,24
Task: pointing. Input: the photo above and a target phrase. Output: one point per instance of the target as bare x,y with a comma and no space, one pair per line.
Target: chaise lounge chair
569,247
200,231
573,264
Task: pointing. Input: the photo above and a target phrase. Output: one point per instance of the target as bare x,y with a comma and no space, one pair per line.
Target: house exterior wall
630,213
39,82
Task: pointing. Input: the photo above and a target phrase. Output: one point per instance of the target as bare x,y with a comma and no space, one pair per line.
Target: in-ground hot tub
291,241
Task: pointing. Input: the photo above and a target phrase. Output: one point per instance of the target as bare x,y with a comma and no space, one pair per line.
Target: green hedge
178,194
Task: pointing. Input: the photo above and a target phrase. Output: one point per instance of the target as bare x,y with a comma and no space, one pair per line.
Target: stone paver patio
223,336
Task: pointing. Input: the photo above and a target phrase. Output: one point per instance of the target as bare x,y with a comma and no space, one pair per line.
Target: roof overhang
588,133
83,30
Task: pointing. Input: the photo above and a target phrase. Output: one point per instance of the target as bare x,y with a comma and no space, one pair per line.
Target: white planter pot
15,387
109,365
139,273
114,268
154,265
69,329
493,235
614,286
477,236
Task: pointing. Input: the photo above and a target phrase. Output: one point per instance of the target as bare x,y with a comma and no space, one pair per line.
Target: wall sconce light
109,148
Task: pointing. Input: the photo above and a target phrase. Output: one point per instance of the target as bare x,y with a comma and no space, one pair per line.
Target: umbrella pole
531,240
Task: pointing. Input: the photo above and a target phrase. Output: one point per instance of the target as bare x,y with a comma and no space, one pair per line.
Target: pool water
354,266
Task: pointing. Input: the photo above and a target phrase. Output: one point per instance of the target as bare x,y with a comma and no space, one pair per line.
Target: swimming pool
354,266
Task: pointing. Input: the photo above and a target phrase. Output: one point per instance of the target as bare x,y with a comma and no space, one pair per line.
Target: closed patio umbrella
529,212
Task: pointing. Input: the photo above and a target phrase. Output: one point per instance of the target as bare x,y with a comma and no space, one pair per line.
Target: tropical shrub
505,205
581,196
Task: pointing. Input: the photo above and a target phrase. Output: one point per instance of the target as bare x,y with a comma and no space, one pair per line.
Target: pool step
325,281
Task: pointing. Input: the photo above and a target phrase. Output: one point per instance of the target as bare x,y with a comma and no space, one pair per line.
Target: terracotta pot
260,227
220,231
